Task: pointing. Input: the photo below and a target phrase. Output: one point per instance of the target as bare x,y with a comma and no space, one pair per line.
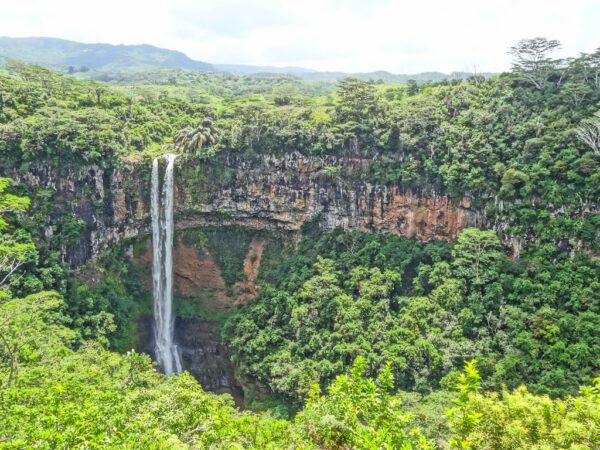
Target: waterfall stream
167,354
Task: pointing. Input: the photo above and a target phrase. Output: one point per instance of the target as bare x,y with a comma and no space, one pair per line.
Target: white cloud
351,35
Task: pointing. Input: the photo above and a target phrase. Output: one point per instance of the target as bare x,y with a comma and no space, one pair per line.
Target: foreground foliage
359,413
519,419
92,398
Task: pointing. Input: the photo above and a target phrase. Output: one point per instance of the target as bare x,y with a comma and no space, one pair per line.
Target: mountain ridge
102,57
68,56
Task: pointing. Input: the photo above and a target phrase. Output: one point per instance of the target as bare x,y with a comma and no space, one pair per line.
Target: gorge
271,195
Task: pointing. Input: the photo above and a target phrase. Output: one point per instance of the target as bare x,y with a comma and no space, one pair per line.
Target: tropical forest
203,256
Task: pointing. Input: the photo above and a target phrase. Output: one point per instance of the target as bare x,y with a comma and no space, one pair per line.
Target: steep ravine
273,194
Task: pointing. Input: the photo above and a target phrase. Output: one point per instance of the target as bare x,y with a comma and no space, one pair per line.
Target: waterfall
167,354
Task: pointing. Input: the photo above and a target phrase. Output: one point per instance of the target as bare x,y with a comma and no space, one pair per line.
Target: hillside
70,56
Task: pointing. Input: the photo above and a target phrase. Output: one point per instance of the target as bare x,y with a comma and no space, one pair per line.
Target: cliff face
109,203
274,193
284,193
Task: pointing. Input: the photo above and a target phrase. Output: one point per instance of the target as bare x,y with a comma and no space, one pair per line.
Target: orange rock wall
422,218
283,194
196,275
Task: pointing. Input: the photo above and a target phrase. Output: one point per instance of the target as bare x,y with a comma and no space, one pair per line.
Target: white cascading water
167,354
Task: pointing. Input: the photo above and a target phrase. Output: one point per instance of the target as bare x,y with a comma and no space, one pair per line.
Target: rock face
203,354
198,276
247,289
286,192
273,193
206,356
112,204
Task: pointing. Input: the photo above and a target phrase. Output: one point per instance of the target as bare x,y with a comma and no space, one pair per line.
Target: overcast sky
352,35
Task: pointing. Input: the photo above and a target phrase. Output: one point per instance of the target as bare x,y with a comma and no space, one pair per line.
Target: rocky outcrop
246,289
203,353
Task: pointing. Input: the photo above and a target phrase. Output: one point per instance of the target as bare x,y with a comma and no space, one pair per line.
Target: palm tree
195,139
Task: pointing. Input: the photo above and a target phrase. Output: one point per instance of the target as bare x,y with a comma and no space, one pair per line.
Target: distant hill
388,77
241,69
71,57
309,74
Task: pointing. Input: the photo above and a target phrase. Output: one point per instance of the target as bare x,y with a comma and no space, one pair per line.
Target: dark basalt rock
206,357
203,354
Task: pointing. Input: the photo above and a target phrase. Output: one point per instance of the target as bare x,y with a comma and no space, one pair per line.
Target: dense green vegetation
519,419
425,309
57,391
376,318
202,87
45,116
55,397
